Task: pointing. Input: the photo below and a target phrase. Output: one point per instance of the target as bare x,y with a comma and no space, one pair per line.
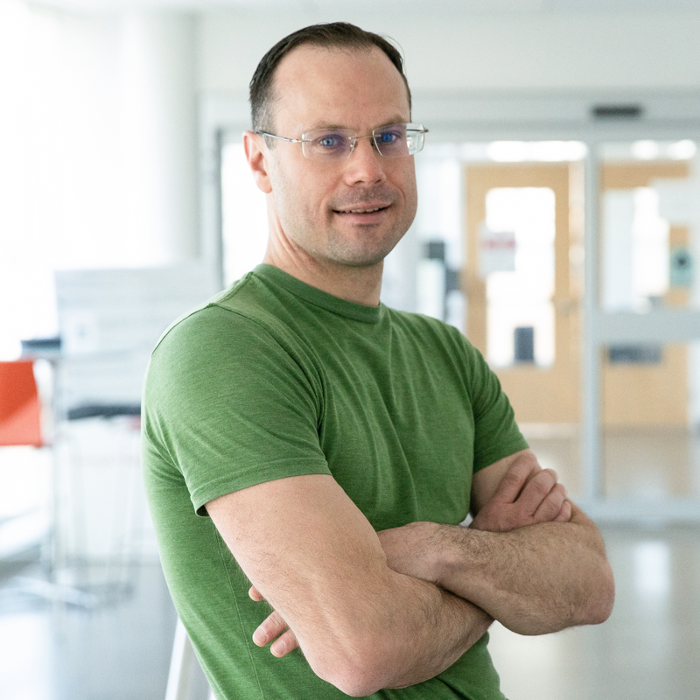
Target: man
336,444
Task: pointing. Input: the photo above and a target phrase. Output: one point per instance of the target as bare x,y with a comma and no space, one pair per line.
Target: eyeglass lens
392,141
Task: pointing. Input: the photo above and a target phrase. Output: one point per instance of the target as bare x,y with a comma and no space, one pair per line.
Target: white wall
499,52
98,143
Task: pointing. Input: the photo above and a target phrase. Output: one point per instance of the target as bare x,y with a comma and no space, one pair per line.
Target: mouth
367,210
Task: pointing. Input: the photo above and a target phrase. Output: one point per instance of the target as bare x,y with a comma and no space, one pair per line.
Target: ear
257,154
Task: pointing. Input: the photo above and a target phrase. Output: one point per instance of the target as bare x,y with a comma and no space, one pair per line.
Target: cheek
307,191
404,178
315,194
410,192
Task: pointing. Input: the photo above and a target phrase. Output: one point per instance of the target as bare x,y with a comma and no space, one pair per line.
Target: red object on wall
20,410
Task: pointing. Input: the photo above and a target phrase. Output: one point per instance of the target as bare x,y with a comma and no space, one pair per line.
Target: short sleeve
496,434
229,407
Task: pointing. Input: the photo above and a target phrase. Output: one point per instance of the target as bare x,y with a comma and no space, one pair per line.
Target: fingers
565,513
255,594
286,643
537,490
273,628
516,478
544,499
550,508
270,629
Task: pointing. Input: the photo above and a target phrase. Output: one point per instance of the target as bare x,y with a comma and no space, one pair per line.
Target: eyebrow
331,125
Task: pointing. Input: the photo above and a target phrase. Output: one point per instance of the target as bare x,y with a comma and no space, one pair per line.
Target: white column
158,136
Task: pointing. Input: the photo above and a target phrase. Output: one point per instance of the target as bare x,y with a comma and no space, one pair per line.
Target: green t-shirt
274,378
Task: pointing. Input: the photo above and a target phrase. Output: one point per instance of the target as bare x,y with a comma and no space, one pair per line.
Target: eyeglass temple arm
281,138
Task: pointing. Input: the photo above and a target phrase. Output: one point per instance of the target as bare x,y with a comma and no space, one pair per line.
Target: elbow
358,670
357,687
602,597
354,680
608,597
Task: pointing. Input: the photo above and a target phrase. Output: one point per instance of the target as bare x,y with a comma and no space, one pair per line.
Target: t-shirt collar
313,295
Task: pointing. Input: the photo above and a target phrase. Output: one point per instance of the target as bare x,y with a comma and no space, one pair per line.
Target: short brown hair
333,35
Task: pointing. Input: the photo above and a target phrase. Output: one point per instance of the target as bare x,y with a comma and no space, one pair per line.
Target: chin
362,256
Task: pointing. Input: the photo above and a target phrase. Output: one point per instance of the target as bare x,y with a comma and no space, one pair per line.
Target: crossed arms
391,609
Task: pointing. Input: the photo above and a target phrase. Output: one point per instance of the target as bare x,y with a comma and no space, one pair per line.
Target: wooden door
539,394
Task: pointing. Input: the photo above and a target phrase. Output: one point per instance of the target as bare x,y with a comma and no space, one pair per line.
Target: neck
360,285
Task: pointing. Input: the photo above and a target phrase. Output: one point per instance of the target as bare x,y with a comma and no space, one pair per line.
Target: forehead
355,88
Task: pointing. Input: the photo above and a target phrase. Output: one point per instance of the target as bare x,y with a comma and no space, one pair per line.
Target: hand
274,627
526,495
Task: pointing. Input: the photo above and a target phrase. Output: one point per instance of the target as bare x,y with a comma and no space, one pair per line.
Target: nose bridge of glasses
354,139
366,163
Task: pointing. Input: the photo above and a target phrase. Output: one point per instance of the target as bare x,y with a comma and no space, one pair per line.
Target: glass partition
650,216
650,449
648,292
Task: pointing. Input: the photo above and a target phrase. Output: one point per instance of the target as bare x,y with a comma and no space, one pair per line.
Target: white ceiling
377,6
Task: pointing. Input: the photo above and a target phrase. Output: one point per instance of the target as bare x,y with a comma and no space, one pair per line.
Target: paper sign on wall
496,251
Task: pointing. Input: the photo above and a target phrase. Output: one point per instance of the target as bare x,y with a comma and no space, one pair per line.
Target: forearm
535,579
315,558
410,632
431,628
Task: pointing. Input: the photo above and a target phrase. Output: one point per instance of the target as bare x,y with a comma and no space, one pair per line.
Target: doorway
522,281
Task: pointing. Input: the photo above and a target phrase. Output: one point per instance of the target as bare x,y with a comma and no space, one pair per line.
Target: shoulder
237,326
229,311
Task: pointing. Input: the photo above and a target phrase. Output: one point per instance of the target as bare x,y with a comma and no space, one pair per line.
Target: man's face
319,206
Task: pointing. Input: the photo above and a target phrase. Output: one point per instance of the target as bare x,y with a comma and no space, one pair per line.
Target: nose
364,166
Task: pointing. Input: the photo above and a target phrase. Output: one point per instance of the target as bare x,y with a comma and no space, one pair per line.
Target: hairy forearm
414,631
313,556
437,628
535,579
530,559
404,631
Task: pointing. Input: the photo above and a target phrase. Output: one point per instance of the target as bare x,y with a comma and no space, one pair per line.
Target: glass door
643,326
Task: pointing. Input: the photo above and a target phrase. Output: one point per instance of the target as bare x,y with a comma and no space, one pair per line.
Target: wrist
434,555
461,554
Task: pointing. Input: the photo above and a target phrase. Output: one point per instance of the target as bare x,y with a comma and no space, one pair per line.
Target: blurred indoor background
558,227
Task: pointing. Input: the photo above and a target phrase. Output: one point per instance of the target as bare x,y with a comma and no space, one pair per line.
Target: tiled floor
121,648
650,646
116,642
117,651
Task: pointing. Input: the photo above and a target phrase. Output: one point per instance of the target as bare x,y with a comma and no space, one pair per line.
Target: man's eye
330,141
389,136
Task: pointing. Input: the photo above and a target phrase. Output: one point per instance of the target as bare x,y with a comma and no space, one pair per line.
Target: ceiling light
682,150
645,150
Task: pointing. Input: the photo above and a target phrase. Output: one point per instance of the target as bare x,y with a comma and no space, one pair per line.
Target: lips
362,209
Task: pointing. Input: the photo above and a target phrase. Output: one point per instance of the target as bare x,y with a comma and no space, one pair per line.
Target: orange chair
20,424
20,410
